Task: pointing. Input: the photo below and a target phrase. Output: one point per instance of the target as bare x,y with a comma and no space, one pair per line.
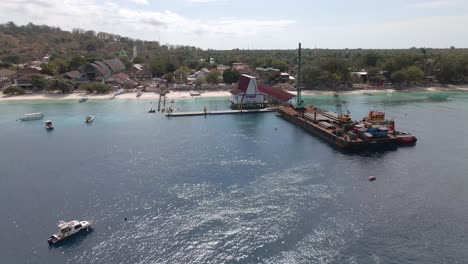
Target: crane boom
299,101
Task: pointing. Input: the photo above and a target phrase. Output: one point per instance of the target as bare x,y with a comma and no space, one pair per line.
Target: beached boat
83,99
68,229
119,92
89,118
31,116
138,94
48,124
194,93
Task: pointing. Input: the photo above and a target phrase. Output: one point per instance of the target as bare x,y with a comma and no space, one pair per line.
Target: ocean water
234,188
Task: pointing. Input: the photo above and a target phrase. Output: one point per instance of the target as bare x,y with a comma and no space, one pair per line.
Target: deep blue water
232,189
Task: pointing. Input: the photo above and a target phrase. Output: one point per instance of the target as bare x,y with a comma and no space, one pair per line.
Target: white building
250,94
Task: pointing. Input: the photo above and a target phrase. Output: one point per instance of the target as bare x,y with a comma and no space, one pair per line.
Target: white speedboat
48,124
31,116
68,229
138,94
83,99
89,118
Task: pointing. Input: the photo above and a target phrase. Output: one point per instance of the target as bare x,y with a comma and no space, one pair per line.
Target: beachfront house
23,78
6,77
250,94
139,72
122,80
242,68
359,77
99,71
199,74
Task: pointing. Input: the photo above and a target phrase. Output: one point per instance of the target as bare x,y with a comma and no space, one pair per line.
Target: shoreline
211,94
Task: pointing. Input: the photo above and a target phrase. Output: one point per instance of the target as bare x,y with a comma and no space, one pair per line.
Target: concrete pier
220,112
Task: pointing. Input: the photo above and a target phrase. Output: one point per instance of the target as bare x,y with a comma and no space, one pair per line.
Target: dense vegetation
322,68
95,87
13,90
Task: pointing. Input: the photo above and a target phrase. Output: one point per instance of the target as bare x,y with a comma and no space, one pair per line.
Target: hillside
322,67
19,44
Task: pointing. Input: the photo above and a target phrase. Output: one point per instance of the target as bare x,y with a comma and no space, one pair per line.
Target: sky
259,24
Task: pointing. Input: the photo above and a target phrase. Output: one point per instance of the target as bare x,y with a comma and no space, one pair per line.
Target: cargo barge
372,132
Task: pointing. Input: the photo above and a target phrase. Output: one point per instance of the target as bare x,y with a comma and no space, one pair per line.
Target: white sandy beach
203,94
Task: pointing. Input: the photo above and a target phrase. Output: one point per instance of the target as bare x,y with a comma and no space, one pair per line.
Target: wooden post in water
159,102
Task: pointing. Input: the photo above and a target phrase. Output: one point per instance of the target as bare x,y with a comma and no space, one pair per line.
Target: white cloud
433,31
205,1
430,4
141,2
109,17
234,32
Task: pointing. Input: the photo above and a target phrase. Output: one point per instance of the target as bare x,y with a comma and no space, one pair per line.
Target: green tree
311,75
231,76
13,90
213,77
450,71
95,87
157,67
414,74
62,85
126,61
371,59
169,77
14,59
399,76
93,58
76,62
170,67
280,65
138,60
48,69
60,64
39,82
4,64
200,81
182,73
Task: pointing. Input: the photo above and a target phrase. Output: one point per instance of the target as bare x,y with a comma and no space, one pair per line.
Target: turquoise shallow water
232,189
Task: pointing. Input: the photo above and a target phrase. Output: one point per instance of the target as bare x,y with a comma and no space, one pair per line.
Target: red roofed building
250,94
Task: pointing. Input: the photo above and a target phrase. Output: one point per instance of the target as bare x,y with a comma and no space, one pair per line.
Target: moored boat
83,99
31,116
68,229
89,118
138,94
48,124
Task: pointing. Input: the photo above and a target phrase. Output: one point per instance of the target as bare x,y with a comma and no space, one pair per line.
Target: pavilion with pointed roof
253,95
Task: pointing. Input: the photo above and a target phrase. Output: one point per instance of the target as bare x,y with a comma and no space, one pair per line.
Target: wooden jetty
220,112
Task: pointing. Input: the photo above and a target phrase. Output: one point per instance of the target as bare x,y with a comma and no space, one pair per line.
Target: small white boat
31,116
89,118
138,94
68,229
83,99
48,124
